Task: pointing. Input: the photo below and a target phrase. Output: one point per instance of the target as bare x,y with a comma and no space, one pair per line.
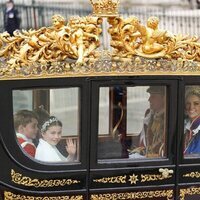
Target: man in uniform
152,136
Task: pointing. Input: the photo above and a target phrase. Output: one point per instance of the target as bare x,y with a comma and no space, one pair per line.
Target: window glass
23,100
192,121
104,111
46,123
136,122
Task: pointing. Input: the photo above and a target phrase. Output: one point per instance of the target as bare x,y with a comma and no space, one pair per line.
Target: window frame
171,84
7,128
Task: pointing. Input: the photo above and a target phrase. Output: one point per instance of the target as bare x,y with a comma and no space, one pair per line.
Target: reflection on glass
47,123
23,100
137,122
192,121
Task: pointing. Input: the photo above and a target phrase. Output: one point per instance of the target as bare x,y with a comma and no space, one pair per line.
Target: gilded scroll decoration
153,177
27,181
80,38
75,40
130,38
168,194
192,175
189,191
71,48
115,179
118,179
109,67
11,196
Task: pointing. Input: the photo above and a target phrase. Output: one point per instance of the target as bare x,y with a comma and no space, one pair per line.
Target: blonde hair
192,90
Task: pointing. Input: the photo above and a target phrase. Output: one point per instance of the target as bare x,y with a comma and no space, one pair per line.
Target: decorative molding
153,177
133,179
115,179
27,181
101,67
118,179
11,196
168,194
189,191
192,175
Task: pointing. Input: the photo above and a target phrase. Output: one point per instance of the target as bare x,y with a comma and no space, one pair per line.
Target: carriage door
189,134
133,141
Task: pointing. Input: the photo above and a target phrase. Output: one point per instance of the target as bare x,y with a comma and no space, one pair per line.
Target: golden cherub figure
129,38
153,42
76,40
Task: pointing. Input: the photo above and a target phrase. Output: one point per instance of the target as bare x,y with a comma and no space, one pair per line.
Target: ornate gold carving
115,179
153,177
192,175
189,191
11,196
101,67
166,172
27,181
105,8
130,37
76,40
168,194
133,179
71,50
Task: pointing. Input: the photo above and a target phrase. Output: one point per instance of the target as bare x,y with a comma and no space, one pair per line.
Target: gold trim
189,191
102,67
134,195
11,196
115,179
192,175
133,179
153,177
27,181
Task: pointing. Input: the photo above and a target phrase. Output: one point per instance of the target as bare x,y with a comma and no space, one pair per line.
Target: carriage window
192,121
132,122
46,123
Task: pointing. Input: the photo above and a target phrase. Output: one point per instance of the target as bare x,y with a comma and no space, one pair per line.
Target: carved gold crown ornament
105,8
71,48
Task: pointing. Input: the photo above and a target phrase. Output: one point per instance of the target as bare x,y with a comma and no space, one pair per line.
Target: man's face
156,102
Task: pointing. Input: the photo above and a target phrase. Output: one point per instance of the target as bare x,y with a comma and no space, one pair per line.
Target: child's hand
71,147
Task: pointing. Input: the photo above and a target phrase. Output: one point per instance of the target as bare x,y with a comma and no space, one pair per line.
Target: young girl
51,132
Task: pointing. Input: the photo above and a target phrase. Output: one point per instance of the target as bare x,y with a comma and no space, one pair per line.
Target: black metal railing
183,21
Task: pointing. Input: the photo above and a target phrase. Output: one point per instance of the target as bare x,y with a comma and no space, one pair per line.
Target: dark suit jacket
11,20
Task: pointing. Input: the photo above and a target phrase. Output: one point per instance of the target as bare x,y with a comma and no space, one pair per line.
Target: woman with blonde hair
192,121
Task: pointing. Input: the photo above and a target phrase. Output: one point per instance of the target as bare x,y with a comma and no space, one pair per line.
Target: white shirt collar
20,135
188,126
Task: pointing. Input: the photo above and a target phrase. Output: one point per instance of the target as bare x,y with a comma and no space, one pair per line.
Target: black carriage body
93,176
